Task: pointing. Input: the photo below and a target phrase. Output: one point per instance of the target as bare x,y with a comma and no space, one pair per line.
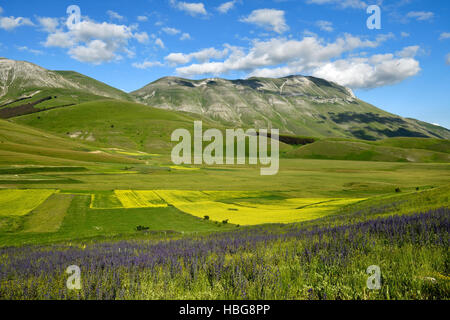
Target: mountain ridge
297,105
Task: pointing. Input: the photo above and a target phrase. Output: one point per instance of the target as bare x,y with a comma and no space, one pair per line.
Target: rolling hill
25,145
112,123
388,150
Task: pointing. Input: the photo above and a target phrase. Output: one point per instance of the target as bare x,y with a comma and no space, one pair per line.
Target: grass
389,150
21,202
49,216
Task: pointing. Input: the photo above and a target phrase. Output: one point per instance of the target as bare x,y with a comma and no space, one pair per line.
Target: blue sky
403,68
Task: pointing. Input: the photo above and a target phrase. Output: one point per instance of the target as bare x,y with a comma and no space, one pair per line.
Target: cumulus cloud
447,59
95,52
185,36
142,18
49,24
171,31
325,25
372,72
227,6
282,57
114,15
147,64
10,23
34,51
141,37
405,34
306,52
270,19
160,43
420,15
1,10
194,9
92,42
202,56
444,35
59,39
355,4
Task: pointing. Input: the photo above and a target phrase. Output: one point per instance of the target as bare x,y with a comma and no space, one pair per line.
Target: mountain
296,105
26,83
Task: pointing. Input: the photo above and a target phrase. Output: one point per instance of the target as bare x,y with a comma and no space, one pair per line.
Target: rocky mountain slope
296,105
20,80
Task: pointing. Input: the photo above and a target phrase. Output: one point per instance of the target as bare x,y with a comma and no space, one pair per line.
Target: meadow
321,261
145,229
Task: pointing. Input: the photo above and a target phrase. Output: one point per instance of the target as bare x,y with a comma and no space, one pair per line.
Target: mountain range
74,105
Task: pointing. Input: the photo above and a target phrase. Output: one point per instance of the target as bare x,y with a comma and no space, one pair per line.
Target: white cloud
171,31
364,73
193,9
10,23
308,52
405,34
447,60
141,37
355,4
227,6
49,24
270,19
147,64
160,43
34,51
1,10
114,15
282,57
96,52
59,39
408,52
325,25
420,15
202,56
103,41
444,35
185,36
142,18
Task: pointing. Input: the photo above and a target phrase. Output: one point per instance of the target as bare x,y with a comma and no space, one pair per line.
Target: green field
87,183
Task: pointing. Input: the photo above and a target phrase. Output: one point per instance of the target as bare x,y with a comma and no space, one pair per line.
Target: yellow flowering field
21,202
139,199
251,212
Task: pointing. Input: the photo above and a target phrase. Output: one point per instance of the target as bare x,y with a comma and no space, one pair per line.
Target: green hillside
24,145
112,123
389,150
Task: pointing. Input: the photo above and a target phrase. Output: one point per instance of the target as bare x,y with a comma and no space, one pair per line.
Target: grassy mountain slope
112,123
390,150
132,126
298,105
24,145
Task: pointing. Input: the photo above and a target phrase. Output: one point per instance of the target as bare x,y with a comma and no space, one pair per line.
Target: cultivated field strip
139,199
15,202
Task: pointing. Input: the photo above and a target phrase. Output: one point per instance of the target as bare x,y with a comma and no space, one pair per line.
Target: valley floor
157,231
